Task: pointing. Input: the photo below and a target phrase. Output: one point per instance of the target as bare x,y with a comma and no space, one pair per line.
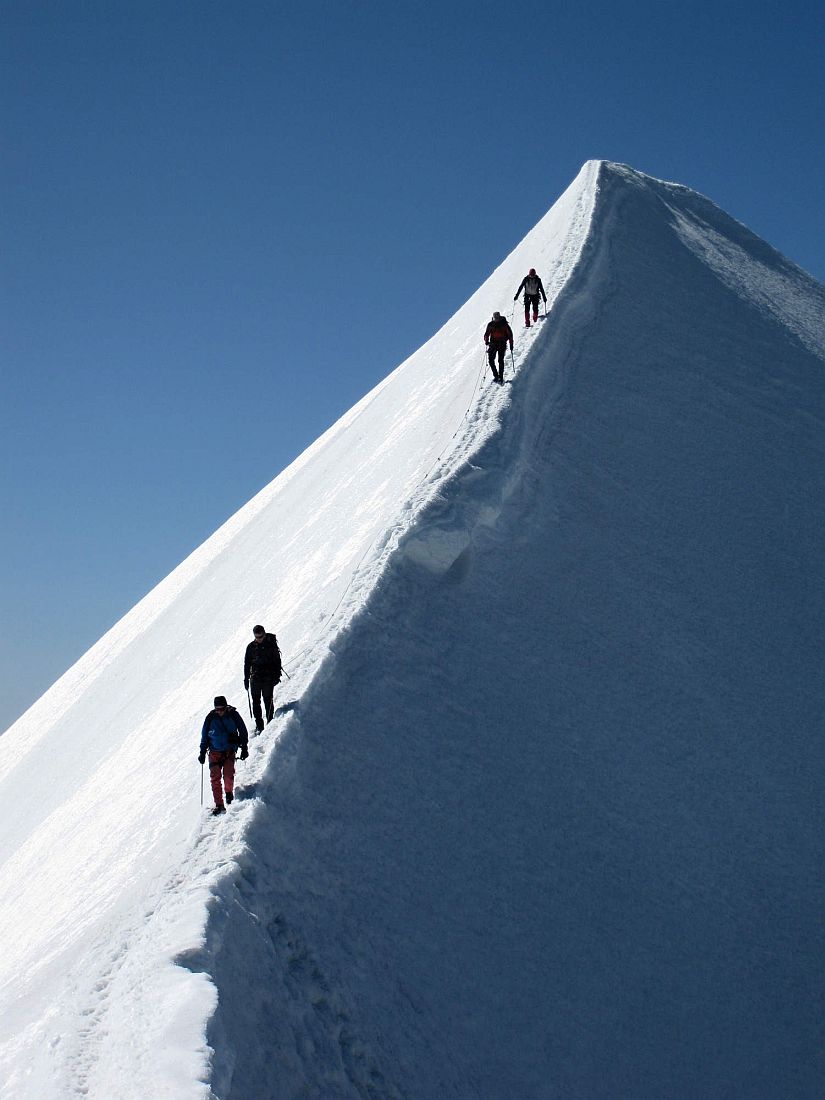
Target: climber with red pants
222,735
531,285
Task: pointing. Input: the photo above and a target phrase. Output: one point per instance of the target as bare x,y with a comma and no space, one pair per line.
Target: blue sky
223,223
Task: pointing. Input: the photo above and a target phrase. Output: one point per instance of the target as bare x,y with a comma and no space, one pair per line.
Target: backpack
269,657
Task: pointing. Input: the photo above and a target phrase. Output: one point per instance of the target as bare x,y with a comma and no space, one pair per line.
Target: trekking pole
512,360
201,784
249,701
285,673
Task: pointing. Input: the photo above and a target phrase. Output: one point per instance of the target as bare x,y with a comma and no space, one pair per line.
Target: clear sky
223,223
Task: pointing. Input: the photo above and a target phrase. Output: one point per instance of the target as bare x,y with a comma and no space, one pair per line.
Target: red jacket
499,332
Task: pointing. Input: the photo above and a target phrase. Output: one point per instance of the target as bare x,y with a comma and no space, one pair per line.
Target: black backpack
268,656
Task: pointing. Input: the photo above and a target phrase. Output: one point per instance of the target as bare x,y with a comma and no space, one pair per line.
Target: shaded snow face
107,871
773,285
547,822
538,814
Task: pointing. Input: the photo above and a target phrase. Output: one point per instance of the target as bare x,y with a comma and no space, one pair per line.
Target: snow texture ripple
539,814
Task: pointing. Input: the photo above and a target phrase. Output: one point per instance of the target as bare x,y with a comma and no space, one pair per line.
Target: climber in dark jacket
497,336
261,672
531,285
223,733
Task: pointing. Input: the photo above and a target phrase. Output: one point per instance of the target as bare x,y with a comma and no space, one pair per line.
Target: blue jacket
223,731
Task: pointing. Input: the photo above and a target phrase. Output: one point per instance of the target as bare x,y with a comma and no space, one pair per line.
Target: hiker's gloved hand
201,757
244,754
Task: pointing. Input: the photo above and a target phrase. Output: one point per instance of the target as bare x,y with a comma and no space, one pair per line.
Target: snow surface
540,811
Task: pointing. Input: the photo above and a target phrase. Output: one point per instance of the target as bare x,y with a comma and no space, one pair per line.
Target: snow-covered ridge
539,814
559,760
301,556
54,703
743,261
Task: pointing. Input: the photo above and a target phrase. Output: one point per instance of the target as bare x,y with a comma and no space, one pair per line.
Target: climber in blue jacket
223,733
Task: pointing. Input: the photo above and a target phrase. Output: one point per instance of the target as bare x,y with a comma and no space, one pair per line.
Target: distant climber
531,285
497,336
222,735
261,672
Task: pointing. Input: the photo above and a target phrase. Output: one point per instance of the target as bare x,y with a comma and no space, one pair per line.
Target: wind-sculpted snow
539,813
108,866
787,293
546,822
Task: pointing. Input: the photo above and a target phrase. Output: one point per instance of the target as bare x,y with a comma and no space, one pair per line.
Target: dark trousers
262,686
531,299
497,348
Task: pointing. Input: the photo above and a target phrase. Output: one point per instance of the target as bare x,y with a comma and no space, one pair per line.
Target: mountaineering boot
230,798
218,810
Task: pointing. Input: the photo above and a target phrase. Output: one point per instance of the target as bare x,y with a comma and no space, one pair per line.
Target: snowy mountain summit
540,811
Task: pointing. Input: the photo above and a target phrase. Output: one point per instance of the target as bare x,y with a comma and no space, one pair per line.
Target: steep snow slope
548,821
541,814
107,864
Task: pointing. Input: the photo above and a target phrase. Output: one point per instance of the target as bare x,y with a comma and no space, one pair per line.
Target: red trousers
221,765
